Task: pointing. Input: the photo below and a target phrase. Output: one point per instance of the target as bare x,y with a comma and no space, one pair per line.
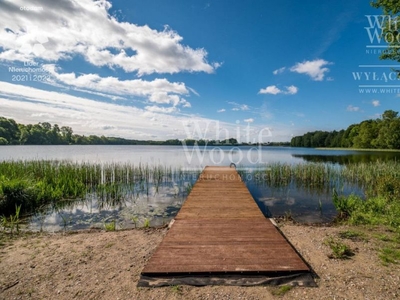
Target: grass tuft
339,249
281,290
389,256
177,289
110,226
353,235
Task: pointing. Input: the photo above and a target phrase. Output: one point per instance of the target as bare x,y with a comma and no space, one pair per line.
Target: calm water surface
188,157
159,204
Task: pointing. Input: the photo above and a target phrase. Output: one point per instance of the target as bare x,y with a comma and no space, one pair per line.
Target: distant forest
381,133
12,133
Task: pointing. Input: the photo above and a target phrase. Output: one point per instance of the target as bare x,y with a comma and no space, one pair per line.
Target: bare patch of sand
107,265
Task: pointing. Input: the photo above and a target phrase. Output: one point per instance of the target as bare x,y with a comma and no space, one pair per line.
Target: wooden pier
221,230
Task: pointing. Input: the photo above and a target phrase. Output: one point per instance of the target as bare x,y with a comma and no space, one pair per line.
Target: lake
190,157
158,203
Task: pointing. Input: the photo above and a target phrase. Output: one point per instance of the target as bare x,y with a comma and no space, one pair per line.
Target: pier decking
221,230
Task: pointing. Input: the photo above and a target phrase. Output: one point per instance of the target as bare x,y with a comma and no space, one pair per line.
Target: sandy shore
107,265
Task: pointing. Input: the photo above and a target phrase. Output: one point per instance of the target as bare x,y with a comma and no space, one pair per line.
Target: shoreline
95,264
356,149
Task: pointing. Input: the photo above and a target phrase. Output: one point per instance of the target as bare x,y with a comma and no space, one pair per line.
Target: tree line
380,133
13,133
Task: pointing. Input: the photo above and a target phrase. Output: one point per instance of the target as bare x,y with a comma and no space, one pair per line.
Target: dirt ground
106,265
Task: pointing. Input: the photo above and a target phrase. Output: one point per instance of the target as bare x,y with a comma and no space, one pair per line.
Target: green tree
389,115
9,130
3,141
390,30
66,133
367,133
383,133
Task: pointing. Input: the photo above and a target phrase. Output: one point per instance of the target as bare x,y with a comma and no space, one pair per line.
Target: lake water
161,203
189,157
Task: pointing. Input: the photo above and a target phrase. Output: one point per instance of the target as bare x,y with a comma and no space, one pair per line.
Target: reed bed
34,184
322,176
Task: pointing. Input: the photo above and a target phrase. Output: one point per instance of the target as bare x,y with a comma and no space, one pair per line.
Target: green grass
339,249
111,226
281,290
146,223
388,238
12,222
176,289
353,235
389,255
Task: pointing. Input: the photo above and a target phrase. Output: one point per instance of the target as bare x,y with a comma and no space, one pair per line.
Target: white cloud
250,120
85,28
185,103
376,103
237,106
159,91
221,110
279,71
291,90
158,109
315,68
86,116
352,108
274,90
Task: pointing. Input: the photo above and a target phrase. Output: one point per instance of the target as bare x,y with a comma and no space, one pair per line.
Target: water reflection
305,202
359,157
159,201
156,203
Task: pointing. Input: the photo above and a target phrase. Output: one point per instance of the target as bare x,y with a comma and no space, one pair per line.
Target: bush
15,193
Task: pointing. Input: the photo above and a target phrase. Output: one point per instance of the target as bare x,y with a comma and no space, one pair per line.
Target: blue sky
156,69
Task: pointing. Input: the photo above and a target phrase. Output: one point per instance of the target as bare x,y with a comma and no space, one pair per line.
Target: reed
326,177
37,183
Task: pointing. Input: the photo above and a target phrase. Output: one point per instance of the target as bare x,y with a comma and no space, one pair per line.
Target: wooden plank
221,229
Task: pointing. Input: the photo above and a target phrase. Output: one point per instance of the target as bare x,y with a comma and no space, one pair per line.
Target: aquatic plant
38,183
146,223
12,222
111,226
345,205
